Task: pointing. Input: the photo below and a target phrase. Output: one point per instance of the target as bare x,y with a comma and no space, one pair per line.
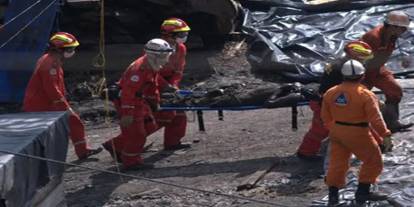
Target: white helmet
352,69
398,18
157,46
158,52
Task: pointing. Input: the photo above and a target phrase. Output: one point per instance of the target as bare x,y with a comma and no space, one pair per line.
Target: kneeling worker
139,99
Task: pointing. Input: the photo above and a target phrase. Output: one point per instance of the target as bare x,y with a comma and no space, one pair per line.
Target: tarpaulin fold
296,44
43,134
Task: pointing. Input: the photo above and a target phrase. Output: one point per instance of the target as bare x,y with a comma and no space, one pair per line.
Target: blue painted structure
23,39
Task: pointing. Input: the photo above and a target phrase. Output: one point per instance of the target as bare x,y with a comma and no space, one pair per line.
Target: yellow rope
100,62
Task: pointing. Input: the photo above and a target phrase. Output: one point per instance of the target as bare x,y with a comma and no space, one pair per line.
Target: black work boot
363,194
114,154
89,153
177,147
391,116
310,158
333,198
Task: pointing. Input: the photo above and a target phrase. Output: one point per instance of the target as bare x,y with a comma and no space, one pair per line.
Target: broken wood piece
252,180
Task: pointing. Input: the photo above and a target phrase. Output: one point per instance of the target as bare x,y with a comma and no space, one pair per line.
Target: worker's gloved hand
126,120
386,145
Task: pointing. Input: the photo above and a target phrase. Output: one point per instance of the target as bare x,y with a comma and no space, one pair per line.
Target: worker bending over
383,40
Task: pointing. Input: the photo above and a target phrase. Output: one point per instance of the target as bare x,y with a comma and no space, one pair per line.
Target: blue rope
225,108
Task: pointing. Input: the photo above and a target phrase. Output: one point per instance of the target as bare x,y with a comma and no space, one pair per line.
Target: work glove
386,145
126,120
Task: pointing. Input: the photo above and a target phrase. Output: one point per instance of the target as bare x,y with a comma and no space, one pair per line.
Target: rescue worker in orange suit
383,40
139,99
348,110
46,89
311,143
175,32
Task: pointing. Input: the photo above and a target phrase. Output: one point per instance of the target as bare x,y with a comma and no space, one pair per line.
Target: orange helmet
173,25
62,40
358,50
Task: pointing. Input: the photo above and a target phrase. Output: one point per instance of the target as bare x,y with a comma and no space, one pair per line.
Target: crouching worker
139,98
348,110
46,89
175,32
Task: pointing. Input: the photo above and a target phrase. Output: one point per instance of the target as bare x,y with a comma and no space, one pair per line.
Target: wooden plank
253,179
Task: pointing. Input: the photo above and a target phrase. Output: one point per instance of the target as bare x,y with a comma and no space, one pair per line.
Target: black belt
360,124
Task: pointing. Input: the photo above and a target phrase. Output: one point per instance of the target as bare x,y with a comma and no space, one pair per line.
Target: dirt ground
219,160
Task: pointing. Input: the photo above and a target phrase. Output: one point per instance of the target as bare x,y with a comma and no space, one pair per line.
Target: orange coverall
46,92
175,122
377,74
348,110
139,89
317,132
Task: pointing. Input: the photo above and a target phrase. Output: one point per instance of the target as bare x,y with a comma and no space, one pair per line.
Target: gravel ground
219,160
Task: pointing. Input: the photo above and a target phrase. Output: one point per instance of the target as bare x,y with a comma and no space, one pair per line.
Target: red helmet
173,25
62,40
358,50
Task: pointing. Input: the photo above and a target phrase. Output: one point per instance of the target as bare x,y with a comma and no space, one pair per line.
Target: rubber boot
391,117
333,198
363,194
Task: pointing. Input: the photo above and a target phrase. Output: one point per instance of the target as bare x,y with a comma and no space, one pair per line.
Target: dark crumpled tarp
39,134
296,40
397,178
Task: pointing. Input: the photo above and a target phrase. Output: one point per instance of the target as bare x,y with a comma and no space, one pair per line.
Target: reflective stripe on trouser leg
175,131
77,135
133,140
311,142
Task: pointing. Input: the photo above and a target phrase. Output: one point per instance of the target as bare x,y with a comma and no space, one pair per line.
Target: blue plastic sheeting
27,26
43,134
296,43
